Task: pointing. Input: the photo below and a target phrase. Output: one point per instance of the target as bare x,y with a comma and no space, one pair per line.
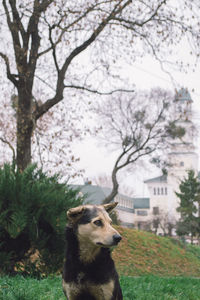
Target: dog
89,271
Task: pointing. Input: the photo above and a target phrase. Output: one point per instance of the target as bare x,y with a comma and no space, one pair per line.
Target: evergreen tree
189,196
32,220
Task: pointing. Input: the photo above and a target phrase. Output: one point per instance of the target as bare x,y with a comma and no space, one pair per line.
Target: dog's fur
89,271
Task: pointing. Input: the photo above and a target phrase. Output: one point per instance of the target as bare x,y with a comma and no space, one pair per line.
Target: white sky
95,159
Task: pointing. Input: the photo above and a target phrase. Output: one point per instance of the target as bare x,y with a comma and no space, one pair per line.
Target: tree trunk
24,129
114,191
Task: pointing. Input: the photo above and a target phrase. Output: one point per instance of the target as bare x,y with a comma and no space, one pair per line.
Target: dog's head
93,224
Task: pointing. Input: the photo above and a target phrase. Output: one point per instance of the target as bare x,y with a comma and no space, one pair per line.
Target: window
182,163
154,191
119,200
162,191
180,109
158,191
142,213
165,191
130,204
155,210
125,202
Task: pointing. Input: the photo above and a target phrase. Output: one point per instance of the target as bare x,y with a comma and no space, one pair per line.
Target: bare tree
41,41
163,221
138,125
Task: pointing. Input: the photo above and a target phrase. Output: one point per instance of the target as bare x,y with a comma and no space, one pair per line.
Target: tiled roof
162,178
183,95
94,193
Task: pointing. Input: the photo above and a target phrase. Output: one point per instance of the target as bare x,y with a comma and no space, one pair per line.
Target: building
129,210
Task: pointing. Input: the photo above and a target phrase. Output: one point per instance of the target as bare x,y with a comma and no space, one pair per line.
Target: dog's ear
75,213
110,206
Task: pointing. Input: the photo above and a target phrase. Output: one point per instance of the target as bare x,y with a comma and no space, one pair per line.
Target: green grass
20,288
167,271
140,288
160,288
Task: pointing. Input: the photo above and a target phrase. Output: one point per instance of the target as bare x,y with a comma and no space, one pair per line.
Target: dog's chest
81,278
98,291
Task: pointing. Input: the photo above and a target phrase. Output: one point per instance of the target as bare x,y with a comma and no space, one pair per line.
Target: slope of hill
142,253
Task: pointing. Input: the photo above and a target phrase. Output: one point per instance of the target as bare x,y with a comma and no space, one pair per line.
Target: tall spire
183,105
182,156
183,95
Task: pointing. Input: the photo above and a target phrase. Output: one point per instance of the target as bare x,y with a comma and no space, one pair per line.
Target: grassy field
142,253
140,288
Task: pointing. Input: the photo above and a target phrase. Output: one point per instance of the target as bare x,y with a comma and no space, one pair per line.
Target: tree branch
13,28
96,91
16,17
10,76
117,9
140,24
63,30
10,146
61,75
32,31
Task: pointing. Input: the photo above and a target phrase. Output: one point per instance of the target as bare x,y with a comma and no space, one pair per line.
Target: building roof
141,203
162,178
94,193
183,95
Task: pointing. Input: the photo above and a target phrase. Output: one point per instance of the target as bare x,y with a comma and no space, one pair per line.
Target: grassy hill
142,253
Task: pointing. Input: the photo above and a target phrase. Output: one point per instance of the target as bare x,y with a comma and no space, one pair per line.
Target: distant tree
43,41
162,220
189,195
136,125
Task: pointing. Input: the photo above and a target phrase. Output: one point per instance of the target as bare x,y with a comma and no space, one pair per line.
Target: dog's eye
98,223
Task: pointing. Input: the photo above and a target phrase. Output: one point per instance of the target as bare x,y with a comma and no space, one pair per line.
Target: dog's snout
116,238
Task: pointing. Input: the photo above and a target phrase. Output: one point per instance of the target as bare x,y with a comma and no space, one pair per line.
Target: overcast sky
146,73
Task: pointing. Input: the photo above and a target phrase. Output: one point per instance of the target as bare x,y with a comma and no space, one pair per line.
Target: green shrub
32,220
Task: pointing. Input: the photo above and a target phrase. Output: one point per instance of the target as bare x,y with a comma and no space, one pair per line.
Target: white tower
182,156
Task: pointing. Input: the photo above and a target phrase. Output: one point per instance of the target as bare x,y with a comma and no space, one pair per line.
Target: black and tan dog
89,271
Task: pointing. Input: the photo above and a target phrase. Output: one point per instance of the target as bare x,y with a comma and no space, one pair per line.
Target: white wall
125,217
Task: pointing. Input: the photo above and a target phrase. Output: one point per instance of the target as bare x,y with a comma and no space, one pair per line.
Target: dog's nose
116,238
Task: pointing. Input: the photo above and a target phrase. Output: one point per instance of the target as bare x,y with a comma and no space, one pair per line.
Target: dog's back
89,271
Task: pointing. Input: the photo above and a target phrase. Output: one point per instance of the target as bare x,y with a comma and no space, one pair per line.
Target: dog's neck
87,251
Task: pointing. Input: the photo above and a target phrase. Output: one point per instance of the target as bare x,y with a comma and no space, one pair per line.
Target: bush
32,220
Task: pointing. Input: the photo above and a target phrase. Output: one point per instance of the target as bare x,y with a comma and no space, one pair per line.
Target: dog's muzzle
116,239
